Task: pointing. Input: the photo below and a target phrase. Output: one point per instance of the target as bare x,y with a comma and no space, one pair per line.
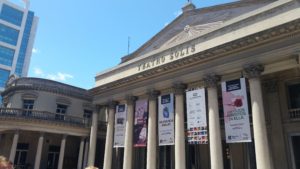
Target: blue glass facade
4,74
11,15
8,35
24,43
6,56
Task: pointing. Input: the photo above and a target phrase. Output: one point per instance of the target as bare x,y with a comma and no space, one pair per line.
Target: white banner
236,115
196,117
166,119
120,125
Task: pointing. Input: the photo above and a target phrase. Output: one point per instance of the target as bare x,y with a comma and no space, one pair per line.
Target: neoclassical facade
201,48
47,125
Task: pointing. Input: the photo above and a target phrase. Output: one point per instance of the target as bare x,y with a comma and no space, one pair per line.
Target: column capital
153,94
112,104
211,80
271,86
130,100
253,70
179,88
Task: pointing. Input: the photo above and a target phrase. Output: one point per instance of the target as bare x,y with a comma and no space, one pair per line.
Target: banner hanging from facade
196,117
120,125
140,123
236,115
166,119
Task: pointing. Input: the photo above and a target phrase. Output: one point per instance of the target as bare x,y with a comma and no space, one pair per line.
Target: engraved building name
174,55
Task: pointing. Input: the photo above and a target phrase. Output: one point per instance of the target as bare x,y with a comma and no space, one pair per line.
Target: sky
75,39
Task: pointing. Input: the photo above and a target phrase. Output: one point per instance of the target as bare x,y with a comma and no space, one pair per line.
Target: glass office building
17,31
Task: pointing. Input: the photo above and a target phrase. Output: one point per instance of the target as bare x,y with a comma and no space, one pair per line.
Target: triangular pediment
195,23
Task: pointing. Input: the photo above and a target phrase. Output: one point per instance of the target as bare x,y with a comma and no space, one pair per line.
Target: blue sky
77,39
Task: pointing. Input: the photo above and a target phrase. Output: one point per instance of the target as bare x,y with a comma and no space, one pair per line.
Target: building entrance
296,151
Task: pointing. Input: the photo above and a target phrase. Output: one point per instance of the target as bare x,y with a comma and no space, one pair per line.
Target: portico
257,44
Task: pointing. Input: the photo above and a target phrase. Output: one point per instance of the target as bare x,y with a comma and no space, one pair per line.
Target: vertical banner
196,117
236,116
140,123
120,125
166,119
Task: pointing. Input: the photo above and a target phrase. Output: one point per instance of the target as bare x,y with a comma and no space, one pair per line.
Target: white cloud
38,71
35,50
59,76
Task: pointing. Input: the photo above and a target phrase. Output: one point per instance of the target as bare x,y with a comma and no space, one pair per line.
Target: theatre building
46,125
217,88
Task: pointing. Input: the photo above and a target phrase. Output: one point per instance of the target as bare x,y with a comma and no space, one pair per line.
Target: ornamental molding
287,30
36,84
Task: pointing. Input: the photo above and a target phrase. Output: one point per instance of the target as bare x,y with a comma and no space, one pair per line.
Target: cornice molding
45,85
283,31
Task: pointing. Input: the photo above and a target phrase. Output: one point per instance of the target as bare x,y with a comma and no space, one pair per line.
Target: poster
196,117
120,125
166,119
140,123
236,115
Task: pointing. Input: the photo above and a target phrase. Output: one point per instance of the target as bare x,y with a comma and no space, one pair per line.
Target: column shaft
86,152
39,152
152,134
80,155
62,153
262,151
14,147
127,162
180,162
215,143
109,138
93,139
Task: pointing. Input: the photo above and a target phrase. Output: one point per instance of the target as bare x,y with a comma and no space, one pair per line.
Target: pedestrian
5,164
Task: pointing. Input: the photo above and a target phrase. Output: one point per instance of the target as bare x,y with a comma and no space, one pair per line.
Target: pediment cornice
279,32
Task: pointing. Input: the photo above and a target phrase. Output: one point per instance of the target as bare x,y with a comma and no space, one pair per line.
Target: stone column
80,155
109,136
62,152
39,152
215,143
93,136
14,146
179,127
86,152
262,151
278,153
152,130
127,162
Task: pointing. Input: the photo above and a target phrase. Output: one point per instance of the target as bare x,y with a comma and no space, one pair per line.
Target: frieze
175,54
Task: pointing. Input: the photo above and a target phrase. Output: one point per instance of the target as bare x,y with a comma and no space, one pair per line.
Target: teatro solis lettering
174,55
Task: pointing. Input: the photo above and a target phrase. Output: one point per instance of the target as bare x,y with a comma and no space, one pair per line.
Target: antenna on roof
128,47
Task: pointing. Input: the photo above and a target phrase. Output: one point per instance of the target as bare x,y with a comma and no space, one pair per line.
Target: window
28,106
4,74
7,56
87,114
294,96
53,156
24,43
21,155
61,111
8,35
11,15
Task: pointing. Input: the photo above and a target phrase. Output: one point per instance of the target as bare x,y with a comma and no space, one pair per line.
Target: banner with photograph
166,119
196,117
120,125
140,123
236,115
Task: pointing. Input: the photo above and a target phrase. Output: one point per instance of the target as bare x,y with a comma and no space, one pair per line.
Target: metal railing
14,113
294,114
